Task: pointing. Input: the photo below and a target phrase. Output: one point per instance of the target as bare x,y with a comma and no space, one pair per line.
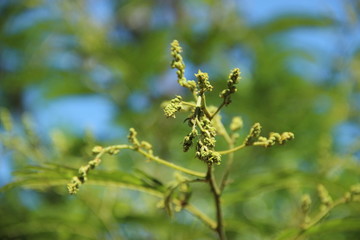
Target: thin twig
228,168
217,110
232,149
169,164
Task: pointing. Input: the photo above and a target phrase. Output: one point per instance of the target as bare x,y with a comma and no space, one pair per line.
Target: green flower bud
97,149
203,81
236,124
305,203
254,134
174,106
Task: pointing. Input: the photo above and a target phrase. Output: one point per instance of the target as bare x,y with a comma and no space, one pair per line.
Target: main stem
217,197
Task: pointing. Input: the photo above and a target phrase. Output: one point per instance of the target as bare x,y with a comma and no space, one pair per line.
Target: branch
217,195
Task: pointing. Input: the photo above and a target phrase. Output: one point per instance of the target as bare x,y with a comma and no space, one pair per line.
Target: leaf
254,184
288,234
335,226
289,22
50,175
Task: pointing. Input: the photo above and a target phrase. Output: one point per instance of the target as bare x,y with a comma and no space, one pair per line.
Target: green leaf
335,226
289,22
50,175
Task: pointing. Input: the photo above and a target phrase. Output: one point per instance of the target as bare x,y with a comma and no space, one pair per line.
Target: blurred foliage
63,48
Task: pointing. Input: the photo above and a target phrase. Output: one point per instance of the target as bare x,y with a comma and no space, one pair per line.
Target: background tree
111,59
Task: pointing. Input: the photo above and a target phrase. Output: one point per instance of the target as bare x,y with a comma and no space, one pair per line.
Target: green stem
319,217
217,110
153,158
203,106
189,104
228,168
217,197
323,214
189,207
200,215
169,164
232,149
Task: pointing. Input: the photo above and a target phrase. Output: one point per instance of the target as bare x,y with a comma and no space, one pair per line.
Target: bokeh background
74,74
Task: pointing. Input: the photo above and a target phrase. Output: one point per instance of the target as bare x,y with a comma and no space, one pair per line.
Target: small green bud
146,145
234,78
355,189
203,81
254,134
94,163
347,197
132,138
305,203
286,136
324,195
235,75
97,149
174,106
113,151
74,186
188,139
83,170
236,124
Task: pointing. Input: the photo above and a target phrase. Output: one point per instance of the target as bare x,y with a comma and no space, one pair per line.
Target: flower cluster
133,139
234,78
253,135
324,196
136,144
274,138
236,124
255,139
174,106
188,139
74,186
206,143
178,63
203,82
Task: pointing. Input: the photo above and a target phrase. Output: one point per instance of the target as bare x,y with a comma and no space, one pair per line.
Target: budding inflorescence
255,139
253,135
236,124
234,78
133,139
203,130
178,63
203,82
173,107
74,186
305,203
206,143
